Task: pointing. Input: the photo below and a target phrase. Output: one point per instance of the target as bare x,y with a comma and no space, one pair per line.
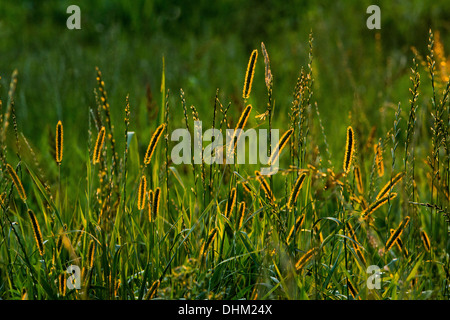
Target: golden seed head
99,145
296,190
249,74
153,143
280,145
155,202
37,232
379,159
142,193
349,149
17,183
59,142
265,186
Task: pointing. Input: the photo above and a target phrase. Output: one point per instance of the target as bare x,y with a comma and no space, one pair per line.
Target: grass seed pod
249,74
17,183
349,149
142,193
99,145
37,232
153,143
296,190
59,142
304,259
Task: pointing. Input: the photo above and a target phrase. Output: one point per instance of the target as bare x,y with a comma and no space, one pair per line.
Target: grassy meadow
88,182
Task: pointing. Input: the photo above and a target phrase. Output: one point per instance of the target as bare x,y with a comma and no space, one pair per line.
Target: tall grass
145,228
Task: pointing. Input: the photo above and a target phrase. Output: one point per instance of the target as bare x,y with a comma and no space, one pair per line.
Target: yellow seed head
17,183
379,159
296,227
425,240
59,142
265,186
142,193
153,143
249,74
280,145
155,202
304,259
150,205
241,214
396,234
152,290
351,289
378,203
91,254
211,236
62,284
99,145
349,149
240,126
296,190
230,203
388,187
358,178
37,232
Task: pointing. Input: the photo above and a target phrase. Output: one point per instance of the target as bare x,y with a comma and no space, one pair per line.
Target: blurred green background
206,45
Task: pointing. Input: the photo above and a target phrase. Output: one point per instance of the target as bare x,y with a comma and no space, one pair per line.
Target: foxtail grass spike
361,258
17,183
152,290
388,187
356,245
297,226
396,234
249,74
351,289
280,145
379,159
142,193
425,240
399,244
211,236
62,284
378,203
359,184
265,186
349,149
150,205
59,142
155,202
304,259
230,204
241,214
240,125
91,254
202,250
99,145
296,190
247,188
37,232
153,143
352,233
